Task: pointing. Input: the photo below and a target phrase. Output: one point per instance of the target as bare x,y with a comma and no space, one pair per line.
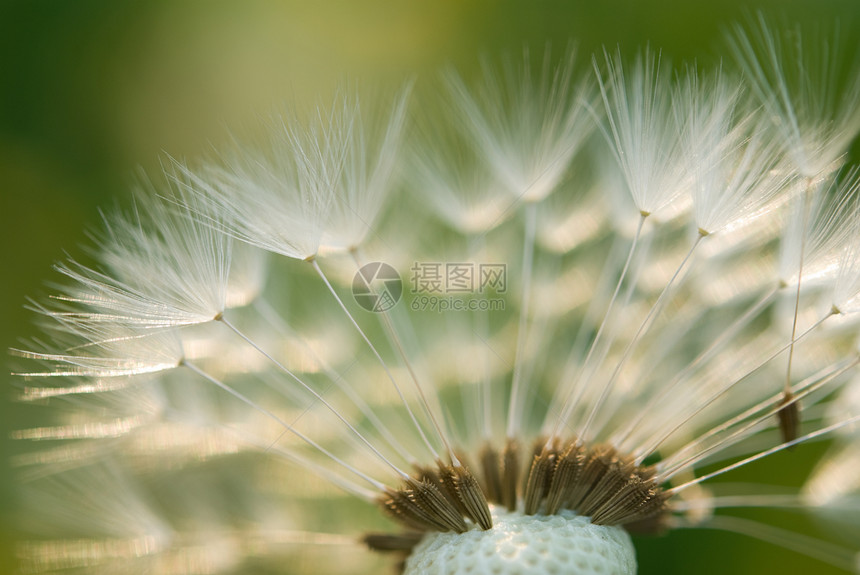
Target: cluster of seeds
683,254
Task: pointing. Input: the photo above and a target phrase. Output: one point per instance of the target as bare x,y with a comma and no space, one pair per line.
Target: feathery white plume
735,164
160,268
279,196
846,291
372,153
527,125
111,351
807,84
642,134
452,177
829,228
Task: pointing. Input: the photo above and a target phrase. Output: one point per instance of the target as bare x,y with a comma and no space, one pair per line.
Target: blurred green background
90,91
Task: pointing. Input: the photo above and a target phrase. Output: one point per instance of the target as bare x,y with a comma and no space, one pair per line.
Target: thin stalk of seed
317,396
267,312
724,338
394,339
809,436
643,453
578,388
780,405
282,423
789,416
385,367
628,351
802,389
515,406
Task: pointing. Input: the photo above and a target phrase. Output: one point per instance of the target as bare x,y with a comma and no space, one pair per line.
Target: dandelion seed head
482,343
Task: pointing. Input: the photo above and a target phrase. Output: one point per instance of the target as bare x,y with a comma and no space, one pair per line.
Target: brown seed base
597,482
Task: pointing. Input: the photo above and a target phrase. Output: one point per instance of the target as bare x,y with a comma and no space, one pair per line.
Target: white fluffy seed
527,545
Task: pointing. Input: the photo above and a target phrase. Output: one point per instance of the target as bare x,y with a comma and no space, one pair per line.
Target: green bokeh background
90,91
